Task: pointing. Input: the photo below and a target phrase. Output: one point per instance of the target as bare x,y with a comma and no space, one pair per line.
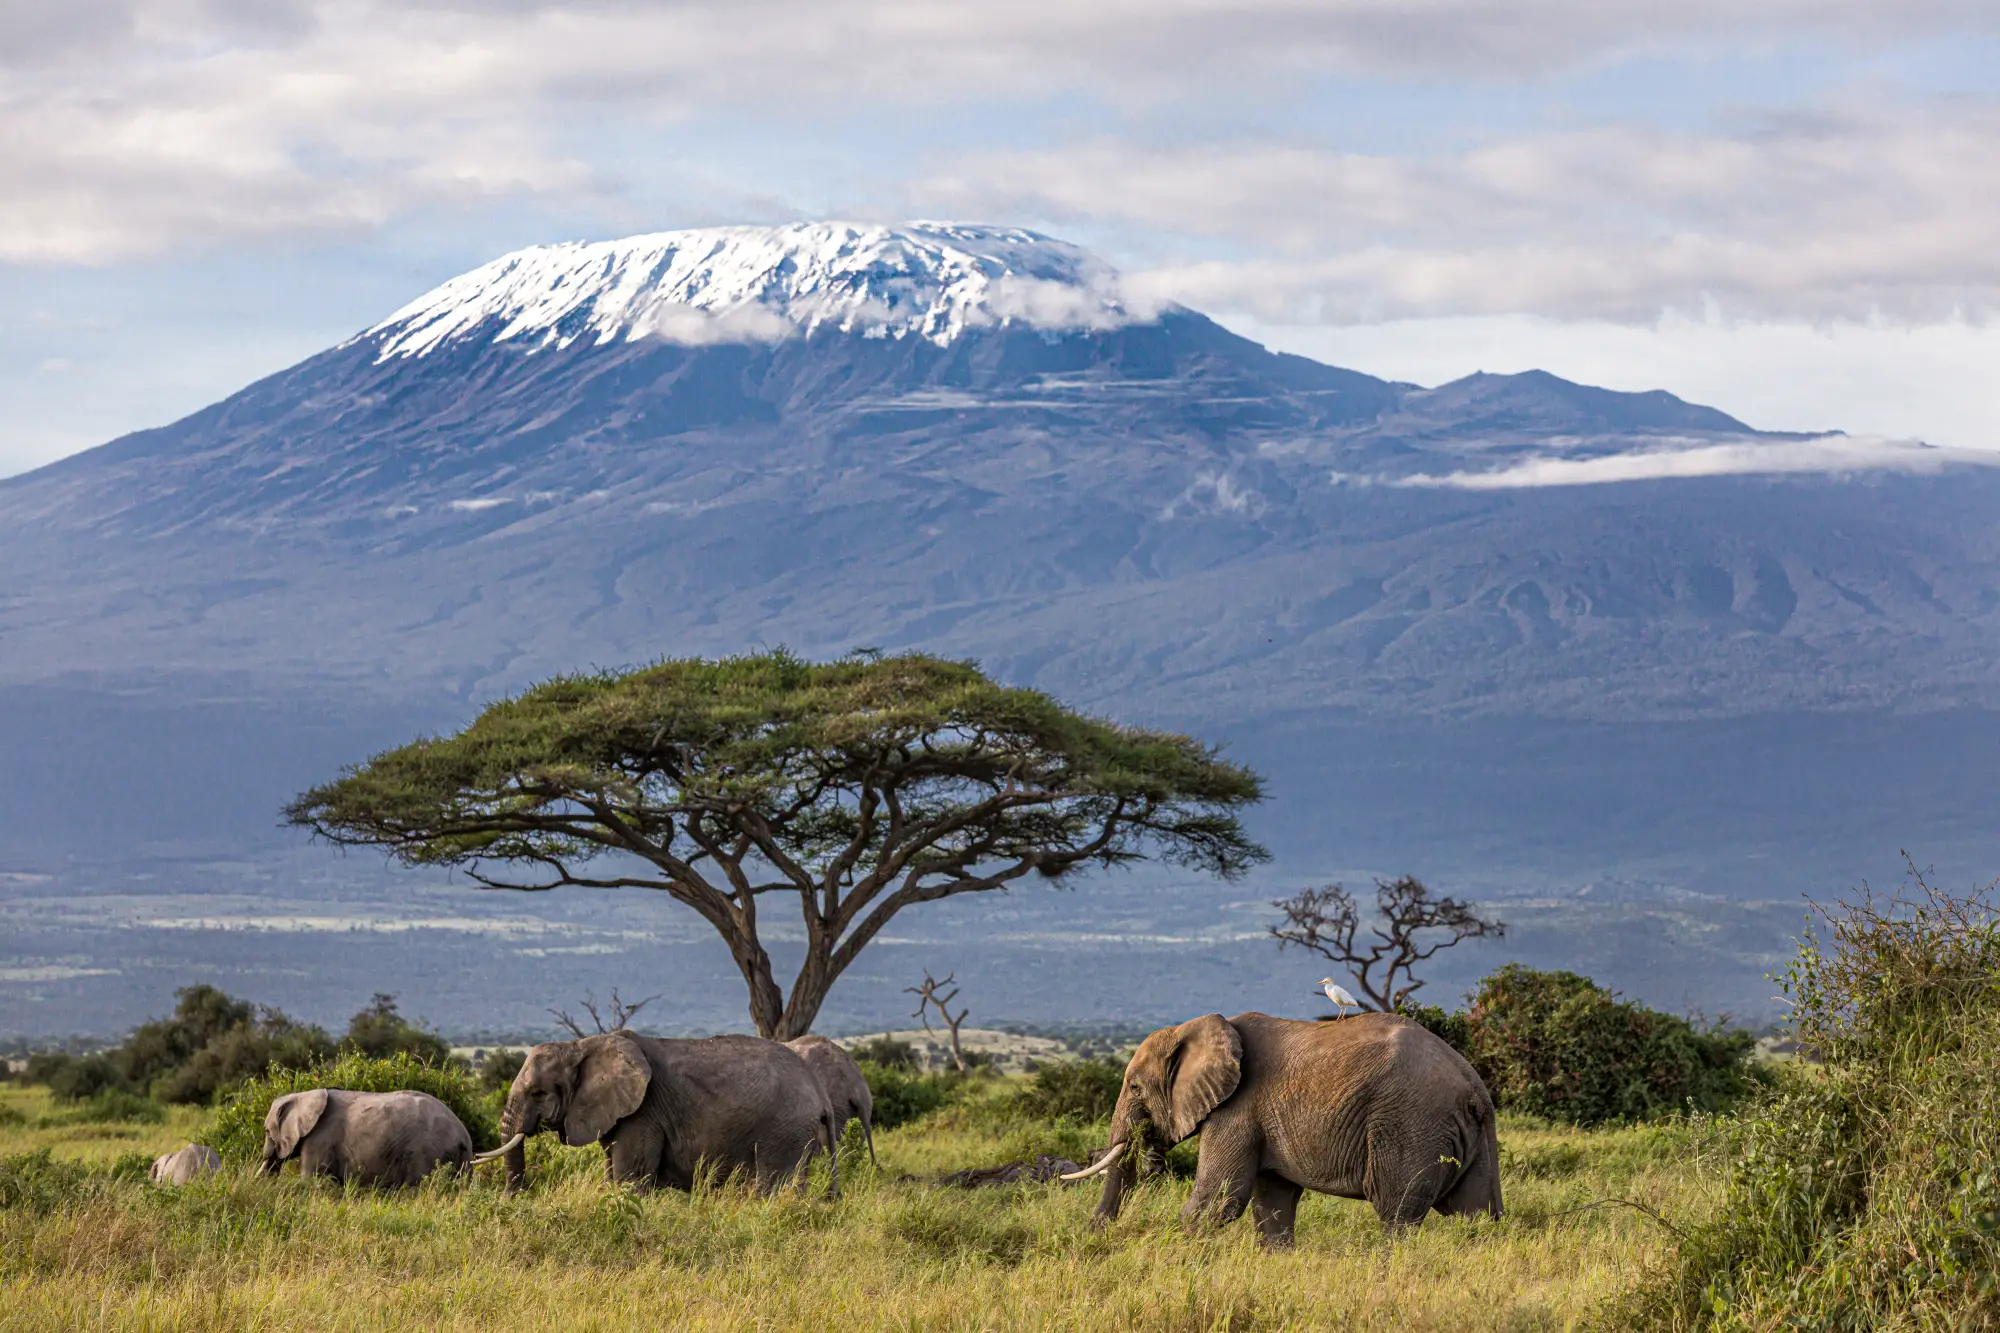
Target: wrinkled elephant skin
372,1138
1372,1107
666,1109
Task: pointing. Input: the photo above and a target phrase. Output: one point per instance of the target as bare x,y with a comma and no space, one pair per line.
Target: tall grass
89,1247
1868,1191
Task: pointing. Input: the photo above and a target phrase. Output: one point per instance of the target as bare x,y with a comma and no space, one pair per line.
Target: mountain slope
1605,706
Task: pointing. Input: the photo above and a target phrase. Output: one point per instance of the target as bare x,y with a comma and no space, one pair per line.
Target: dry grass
239,1252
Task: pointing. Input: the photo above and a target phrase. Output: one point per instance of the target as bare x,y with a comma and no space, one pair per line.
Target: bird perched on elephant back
372,1138
1372,1108
178,1168
665,1109
845,1085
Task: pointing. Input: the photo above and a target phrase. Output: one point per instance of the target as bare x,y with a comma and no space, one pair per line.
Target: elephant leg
632,1155
1274,1207
1223,1180
1403,1185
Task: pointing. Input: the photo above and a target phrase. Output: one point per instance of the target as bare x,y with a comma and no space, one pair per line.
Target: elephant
372,1138
845,1085
666,1109
1371,1107
178,1168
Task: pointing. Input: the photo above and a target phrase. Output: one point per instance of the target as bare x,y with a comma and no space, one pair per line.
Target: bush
887,1052
380,1031
497,1070
238,1131
37,1183
1867,1193
902,1097
1080,1090
1557,1045
80,1078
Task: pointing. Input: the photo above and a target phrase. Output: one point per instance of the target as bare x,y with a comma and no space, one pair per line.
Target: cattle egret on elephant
1336,992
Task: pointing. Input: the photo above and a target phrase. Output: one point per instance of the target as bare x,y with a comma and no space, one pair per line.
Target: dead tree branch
1411,926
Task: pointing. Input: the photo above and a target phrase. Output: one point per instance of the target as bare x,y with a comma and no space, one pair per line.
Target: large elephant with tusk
1372,1107
665,1109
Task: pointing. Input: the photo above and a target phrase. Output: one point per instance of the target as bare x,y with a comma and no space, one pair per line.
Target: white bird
1336,992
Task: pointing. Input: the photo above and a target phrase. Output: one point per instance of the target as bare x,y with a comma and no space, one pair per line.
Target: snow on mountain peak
759,284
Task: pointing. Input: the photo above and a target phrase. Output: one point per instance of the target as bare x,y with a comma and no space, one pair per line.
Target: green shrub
80,1078
380,1031
37,1183
1080,1090
1867,1191
1558,1045
902,1097
238,1130
887,1052
497,1070
112,1105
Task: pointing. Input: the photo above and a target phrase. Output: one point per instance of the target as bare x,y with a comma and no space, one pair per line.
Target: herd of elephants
1368,1107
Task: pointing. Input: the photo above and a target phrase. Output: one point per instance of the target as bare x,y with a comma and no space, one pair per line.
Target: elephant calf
1372,1107
373,1138
178,1168
845,1085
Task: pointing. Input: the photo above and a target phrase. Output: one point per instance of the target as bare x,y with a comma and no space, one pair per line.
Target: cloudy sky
1787,208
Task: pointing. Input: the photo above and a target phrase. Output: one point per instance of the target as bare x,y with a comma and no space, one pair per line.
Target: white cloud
1830,454
690,326
127,127
1889,212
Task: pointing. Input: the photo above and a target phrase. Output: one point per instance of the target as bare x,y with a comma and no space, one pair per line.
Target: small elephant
1372,1107
666,1109
846,1087
178,1168
373,1138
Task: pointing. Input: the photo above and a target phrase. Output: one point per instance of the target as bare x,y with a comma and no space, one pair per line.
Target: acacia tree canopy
854,788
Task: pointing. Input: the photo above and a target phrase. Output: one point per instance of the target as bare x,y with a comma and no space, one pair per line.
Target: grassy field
100,1248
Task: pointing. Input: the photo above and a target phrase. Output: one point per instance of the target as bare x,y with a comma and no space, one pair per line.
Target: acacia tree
853,789
1410,927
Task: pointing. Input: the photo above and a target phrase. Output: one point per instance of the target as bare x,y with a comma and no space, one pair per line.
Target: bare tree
621,1013
928,998
1327,921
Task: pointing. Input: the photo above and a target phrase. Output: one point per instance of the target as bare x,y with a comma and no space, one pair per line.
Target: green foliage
902,1097
38,1184
76,1078
1557,1045
111,1106
1867,1191
887,1052
238,1130
866,785
497,1070
209,1043
380,1031
1080,1090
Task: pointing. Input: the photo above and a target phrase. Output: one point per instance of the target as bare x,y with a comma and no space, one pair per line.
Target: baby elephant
374,1138
178,1168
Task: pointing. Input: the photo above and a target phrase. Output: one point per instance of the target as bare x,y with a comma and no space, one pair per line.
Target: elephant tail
868,1137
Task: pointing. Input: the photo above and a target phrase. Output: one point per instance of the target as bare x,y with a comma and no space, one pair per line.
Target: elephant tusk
1100,1166
500,1151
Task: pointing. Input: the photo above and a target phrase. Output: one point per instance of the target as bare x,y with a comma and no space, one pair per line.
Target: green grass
104,1249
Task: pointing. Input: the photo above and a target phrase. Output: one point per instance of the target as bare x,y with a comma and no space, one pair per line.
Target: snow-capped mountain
758,284
1510,633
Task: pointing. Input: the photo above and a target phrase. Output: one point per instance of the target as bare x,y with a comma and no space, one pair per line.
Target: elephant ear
1205,1068
292,1117
611,1082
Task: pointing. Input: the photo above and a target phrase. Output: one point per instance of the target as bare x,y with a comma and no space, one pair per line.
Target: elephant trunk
517,1166
1122,1171
515,1127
